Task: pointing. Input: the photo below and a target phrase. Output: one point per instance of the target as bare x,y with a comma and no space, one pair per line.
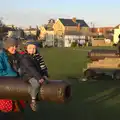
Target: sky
24,13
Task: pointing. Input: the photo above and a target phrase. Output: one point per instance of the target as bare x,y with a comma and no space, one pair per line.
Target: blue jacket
5,67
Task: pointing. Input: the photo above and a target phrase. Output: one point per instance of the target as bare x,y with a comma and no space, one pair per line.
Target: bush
40,44
74,44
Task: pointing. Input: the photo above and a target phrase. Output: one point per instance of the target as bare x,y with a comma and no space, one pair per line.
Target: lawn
92,100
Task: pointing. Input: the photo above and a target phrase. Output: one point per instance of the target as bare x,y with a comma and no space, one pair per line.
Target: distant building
70,30
116,34
47,35
101,30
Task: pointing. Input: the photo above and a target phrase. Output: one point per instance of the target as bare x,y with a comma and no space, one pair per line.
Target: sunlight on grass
98,100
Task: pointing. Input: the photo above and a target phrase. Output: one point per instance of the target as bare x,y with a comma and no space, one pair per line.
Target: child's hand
41,81
45,77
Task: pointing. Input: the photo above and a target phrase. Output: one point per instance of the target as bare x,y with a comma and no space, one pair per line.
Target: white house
72,36
68,39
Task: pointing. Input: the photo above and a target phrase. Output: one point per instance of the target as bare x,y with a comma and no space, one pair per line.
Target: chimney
74,19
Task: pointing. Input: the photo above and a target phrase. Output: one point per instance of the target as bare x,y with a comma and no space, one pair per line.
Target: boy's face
31,49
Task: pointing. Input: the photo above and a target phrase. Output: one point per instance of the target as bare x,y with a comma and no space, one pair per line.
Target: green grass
95,100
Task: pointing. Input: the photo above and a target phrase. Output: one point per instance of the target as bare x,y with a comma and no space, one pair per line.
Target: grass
92,100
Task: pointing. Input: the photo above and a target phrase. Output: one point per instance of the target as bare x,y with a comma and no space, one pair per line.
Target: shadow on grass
92,100
96,100
11,116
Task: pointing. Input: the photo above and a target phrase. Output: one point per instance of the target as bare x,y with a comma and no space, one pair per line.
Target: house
102,36
71,36
47,35
4,31
62,25
11,26
116,34
101,30
42,33
69,30
117,27
29,31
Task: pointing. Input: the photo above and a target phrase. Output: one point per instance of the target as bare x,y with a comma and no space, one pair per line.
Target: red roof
117,26
101,29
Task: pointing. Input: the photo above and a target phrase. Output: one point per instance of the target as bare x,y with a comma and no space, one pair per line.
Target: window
85,28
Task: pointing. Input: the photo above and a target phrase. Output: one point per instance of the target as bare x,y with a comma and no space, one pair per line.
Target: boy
33,69
31,49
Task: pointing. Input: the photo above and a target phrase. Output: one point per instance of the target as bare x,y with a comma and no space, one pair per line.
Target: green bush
74,44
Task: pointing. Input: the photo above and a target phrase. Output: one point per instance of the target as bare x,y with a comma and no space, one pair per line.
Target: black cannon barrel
56,90
97,54
17,89
14,88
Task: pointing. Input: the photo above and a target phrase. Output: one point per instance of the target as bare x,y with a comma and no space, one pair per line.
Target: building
29,31
47,35
68,30
101,30
116,34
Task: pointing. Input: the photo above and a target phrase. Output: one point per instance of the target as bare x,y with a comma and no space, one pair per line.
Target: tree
51,21
50,24
37,33
1,21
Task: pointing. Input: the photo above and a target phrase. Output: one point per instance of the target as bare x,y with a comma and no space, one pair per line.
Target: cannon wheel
89,74
116,75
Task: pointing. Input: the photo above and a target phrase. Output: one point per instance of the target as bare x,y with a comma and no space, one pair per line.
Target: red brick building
101,30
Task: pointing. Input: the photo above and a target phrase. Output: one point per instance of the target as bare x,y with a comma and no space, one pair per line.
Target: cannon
58,91
107,66
97,54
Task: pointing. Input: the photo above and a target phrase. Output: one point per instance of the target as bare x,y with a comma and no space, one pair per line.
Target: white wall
68,39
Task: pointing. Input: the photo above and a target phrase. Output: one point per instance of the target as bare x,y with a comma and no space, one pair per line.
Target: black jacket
29,68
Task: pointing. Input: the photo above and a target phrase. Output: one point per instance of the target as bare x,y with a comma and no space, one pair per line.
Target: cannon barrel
54,90
97,54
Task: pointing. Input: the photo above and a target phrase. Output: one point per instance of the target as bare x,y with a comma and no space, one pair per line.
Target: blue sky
37,12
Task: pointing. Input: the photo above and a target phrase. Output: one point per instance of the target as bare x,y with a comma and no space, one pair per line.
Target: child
33,68
31,49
